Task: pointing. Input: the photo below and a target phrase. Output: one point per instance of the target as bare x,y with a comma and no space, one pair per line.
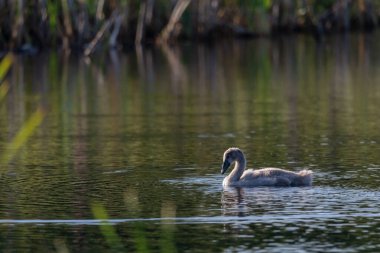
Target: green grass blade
4,90
107,229
22,136
5,65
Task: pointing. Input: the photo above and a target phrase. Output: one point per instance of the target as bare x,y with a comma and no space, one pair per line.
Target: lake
128,155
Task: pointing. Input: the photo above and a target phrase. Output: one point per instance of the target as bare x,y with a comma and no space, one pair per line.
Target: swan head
230,156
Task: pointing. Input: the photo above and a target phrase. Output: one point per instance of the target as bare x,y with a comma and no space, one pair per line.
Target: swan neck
238,170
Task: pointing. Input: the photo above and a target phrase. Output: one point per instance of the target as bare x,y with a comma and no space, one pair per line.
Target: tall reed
83,25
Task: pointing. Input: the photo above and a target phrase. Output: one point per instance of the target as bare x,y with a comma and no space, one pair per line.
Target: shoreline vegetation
88,25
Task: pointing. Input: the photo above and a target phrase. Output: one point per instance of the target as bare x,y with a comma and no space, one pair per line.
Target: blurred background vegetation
85,25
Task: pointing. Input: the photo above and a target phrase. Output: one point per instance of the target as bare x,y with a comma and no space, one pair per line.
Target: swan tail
306,177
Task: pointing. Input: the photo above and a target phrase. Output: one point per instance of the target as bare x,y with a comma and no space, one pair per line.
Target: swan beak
226,164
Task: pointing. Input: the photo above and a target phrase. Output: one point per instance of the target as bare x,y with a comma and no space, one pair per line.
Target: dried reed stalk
99,35
141,23
67,24
17,29
167,32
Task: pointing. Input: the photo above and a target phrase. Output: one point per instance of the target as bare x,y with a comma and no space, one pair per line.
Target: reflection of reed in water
178,71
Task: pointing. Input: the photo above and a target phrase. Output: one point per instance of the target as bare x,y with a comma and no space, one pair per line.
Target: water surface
133,141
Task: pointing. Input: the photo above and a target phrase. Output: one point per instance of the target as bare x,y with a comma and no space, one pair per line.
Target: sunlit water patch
313,203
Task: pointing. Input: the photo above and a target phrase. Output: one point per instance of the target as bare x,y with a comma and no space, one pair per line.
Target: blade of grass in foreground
22,136
107,229
4,90
5,65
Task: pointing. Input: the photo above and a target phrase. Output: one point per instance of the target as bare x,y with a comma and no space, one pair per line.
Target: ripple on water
314,203
208,184
119,171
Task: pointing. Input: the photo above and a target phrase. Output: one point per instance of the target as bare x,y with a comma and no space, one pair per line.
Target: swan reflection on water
233,202
238,201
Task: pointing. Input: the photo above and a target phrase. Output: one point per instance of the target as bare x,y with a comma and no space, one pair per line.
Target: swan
240,177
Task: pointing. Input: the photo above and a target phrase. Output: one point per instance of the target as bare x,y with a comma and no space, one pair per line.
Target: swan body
240,177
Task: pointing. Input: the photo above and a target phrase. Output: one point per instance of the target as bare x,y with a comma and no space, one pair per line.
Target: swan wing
267,177
252,178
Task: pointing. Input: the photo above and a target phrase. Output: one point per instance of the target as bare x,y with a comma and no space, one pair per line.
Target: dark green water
138,138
